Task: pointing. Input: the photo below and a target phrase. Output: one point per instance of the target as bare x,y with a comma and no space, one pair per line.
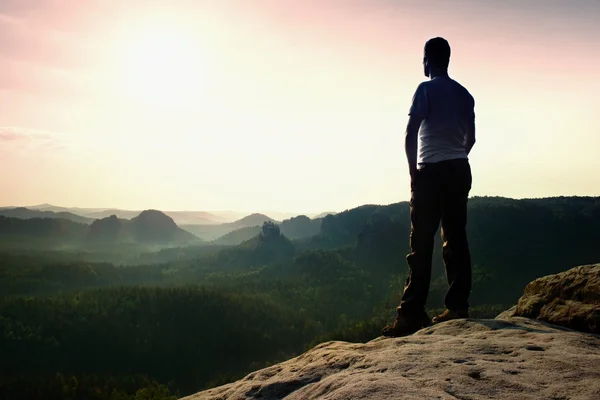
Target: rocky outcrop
153,226
150,227
300,227
570,299
509,357
517,358
107,230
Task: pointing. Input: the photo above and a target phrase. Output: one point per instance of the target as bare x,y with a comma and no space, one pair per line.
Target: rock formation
509,357
150,227
570,299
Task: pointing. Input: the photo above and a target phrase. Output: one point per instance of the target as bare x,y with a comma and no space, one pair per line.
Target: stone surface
570,299
508,313
506,358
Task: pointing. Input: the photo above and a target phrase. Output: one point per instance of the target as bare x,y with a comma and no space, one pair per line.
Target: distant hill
511,241
208,232
156,227
180,217
238,236
149,227
109,230
26,213
195,217
251,220
75,210
35,232
268,246
49,207
293,228
324,214
300,227
214,232
123,214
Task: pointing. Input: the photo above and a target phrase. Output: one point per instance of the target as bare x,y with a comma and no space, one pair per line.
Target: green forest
119,321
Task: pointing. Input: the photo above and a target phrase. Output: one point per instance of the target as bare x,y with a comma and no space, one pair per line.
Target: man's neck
438,73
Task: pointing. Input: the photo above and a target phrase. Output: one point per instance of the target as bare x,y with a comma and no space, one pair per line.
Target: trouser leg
425,218
455,251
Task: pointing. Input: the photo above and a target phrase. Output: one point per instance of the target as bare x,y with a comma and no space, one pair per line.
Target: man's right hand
414,172
411,144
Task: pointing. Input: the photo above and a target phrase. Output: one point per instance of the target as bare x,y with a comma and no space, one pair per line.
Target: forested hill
299,227
491,212
26,213
150,227
35,231
202,315
511,241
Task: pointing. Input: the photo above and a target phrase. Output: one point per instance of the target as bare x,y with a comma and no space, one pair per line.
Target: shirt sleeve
420,103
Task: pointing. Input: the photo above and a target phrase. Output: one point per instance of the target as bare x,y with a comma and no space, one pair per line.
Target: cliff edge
510,357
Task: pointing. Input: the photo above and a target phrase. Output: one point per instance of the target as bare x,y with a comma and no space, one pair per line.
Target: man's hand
413,173
470,136
411,144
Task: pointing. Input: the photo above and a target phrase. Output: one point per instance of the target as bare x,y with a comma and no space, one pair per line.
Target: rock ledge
511,358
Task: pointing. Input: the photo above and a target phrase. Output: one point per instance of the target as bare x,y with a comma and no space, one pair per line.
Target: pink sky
284,105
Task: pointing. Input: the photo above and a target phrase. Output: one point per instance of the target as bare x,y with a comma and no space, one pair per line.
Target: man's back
446,108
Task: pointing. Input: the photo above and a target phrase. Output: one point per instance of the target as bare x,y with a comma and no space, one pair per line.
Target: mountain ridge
27,213
149,227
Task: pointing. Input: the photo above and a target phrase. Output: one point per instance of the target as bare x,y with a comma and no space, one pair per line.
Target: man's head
436,55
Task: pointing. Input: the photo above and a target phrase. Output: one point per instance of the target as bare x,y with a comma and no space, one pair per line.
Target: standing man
439,137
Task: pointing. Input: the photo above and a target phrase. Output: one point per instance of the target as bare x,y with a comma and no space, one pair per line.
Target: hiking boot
450,315
406,325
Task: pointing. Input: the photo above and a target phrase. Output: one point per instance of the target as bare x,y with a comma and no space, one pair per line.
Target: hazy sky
284,105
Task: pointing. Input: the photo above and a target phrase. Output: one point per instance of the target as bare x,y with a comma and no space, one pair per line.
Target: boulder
570,299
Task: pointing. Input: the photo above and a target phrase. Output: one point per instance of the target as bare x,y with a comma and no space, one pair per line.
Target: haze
284,105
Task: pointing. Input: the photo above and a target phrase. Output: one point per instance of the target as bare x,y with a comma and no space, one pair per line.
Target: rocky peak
154,219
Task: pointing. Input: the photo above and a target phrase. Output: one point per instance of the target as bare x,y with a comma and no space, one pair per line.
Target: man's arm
419,110
470,135
411,142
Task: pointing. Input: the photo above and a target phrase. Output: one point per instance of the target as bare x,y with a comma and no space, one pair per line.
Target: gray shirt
446,107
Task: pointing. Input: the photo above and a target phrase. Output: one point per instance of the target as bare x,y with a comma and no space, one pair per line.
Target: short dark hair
437,51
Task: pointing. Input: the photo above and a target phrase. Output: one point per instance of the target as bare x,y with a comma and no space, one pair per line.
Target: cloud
20,138
26,40
9,136
40,79
39,56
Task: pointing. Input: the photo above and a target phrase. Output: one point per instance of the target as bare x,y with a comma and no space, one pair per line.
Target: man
439,137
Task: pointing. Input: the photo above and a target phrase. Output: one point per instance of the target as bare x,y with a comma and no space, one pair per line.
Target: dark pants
439,192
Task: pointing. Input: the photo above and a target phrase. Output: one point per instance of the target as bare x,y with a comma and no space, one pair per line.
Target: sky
285,105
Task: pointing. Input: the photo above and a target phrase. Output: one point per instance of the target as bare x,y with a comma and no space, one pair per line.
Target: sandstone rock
570,299
508,313
513,358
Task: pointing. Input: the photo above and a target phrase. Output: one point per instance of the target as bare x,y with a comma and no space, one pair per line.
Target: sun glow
163,66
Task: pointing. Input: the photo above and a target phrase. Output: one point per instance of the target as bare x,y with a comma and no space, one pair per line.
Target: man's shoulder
422,86
432,84
425,84
461,87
